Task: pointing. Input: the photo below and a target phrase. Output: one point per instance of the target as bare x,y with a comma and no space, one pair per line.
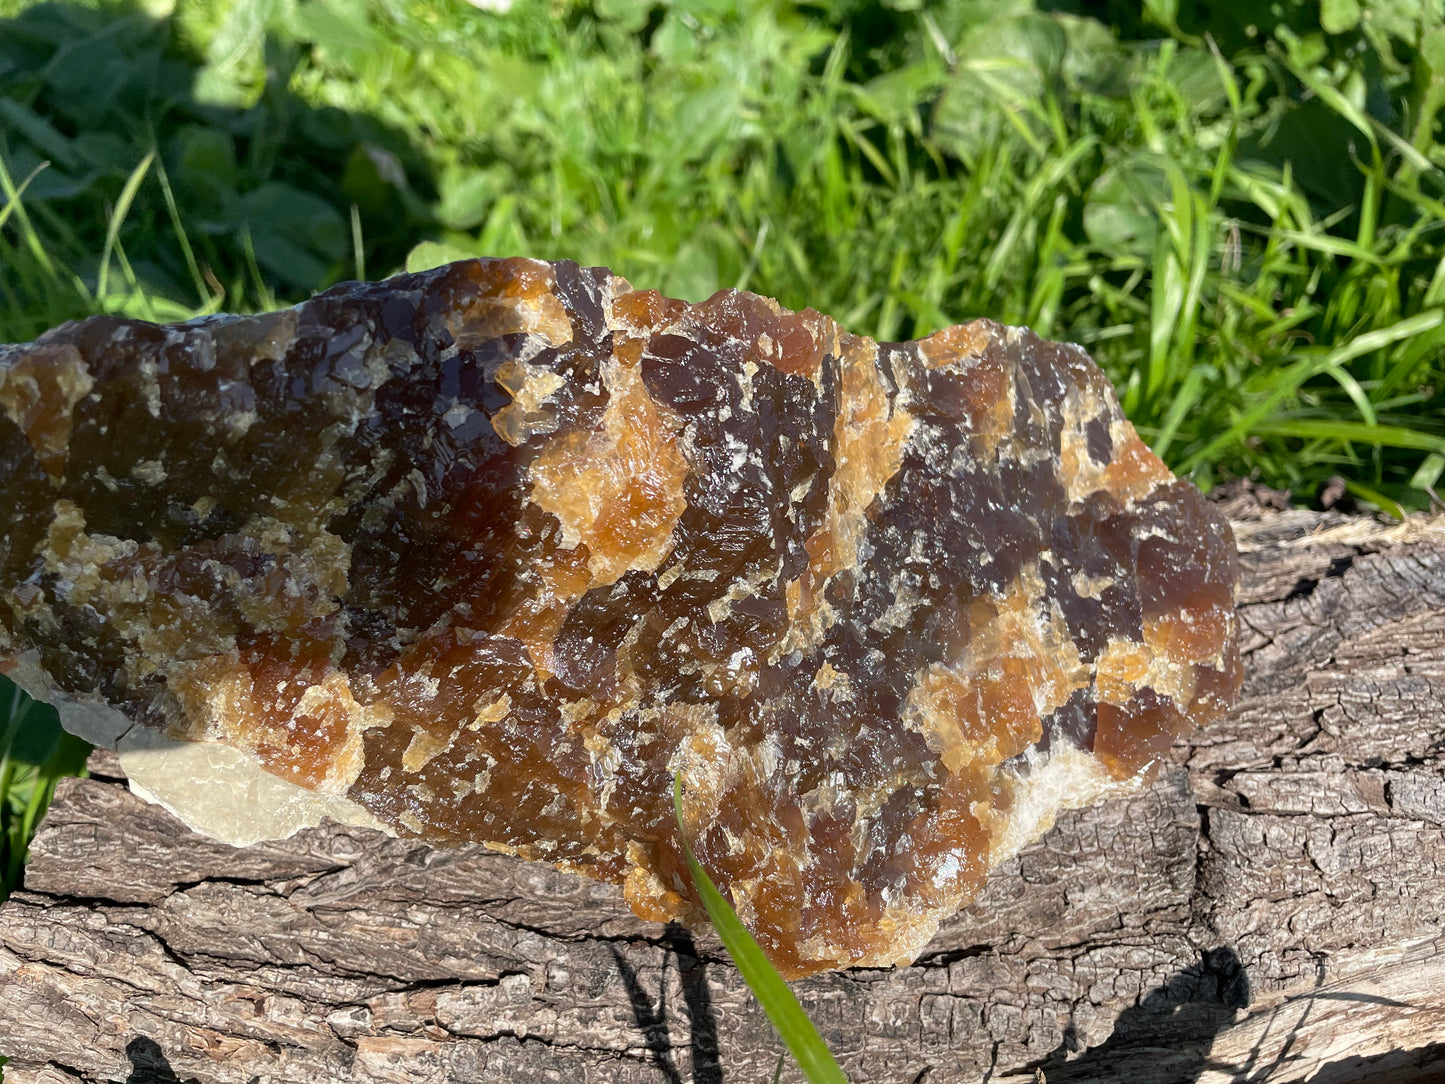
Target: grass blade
12,194
1390,436
358,247
197,279
1253,421
122,208
776,998
1374,496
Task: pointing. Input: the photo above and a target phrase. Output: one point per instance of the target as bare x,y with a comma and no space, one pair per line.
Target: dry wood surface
1270,909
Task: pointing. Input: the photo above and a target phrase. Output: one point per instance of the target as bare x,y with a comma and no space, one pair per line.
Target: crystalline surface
494,550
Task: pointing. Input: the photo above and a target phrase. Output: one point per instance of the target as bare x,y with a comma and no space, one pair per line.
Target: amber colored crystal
494,550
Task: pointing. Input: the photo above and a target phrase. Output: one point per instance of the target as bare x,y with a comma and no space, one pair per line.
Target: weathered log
1270,909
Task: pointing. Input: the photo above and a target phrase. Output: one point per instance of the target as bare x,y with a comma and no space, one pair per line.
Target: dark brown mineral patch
492,551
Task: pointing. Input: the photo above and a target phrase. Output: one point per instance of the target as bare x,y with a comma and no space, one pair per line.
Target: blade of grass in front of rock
772,992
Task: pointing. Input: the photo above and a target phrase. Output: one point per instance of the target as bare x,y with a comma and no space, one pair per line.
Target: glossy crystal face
495,550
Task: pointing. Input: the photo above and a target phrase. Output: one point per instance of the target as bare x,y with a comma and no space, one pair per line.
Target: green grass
1239,208
772,992
1245,230
34,755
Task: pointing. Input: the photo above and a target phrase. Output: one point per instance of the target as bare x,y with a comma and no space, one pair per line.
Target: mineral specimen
492,551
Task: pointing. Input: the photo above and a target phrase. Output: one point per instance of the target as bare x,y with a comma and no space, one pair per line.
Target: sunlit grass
1250,251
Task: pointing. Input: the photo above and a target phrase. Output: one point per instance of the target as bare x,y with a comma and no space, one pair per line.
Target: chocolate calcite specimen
492,551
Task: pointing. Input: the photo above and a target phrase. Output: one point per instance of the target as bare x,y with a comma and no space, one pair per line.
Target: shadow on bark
697,1004
701,1019
651,1022
1177,1023
149,1065
1423,1066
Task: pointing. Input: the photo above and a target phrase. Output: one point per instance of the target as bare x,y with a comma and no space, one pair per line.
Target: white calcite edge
214,790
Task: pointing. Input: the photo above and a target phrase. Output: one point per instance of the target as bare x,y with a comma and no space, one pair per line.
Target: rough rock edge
213,789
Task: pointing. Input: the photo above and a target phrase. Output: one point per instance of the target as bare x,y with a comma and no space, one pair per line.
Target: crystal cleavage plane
491,551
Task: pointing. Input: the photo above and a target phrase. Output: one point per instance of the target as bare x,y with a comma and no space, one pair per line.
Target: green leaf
431,254
694,272
1165,13
1194,75
40,132
1093,61
1432,50
341,27
235,63
105,152
206,176
626,14
768,987
1006,67
897,95
51,182
298,237
675,42
1339,16
466,196
1121,209
89,77
702,120
960,18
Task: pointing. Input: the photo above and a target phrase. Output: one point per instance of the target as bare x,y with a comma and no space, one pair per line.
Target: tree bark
1269,909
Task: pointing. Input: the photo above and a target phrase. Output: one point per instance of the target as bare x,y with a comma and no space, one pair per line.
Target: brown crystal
495,550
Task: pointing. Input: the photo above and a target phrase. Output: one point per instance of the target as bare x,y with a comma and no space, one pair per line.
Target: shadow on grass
271,193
